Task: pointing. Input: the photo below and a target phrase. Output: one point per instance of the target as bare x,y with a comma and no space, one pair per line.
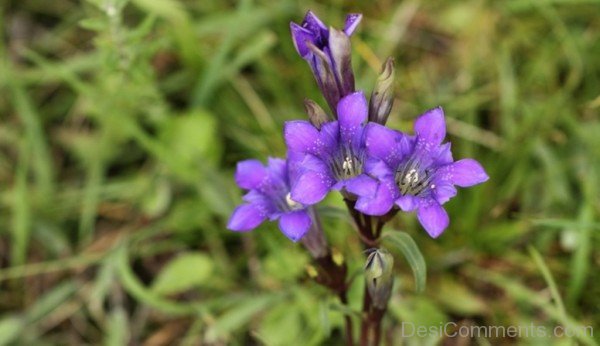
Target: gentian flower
328,53
331,156
268,198
414,172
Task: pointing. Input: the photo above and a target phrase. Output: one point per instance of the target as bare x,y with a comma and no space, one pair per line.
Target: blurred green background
121,123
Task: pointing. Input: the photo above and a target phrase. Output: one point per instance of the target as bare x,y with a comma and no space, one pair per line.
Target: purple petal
352,112
443,191
301,136
300,36
380,204
352,21
378,168
294,224
407,203
245,218
433,218
314,24
444,155
431,126
362,185
311,187
385,144
464,173
329,136
250,173
277,168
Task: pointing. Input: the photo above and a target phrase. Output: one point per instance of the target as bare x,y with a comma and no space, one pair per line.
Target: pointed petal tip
467,172
245,218
295,225
352,22
431,126
353,108
249,173
433,217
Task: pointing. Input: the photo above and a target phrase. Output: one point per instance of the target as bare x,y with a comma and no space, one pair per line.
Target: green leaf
184,272
403,242
459,298
238,316
117,332
94,24
141,293
10,328
192,138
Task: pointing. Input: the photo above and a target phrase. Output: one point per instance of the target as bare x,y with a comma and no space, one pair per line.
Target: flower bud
341,53
382,97
327,51
379,277
316,114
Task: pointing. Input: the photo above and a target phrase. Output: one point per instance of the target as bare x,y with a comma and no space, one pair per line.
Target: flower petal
407,203
277,168
378,168
295,224
314,24
362,185
443,191
433,218
310,162
245,218
385,144
311,187
431,126
301,136
380,204
329,136
464,173
444,155
352,21
352,111
250,173
300,36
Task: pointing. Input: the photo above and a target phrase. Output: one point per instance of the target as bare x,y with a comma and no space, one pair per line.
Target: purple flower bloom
331,157
414,172
268,198
327,51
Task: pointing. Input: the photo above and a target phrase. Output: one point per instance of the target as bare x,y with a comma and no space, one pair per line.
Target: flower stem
347,320
369,229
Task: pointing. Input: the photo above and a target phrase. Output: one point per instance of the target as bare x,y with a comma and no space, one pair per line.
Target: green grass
121,123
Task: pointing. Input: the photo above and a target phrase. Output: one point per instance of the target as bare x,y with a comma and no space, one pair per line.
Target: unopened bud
341,54
382,97
316,114
379,276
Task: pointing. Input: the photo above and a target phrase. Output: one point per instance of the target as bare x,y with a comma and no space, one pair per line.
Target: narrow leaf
403,242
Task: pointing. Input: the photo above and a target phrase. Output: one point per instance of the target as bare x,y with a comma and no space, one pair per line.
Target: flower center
414,180
346,165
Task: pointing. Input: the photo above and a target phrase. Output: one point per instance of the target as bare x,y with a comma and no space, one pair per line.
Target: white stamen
291,203
412,176
347,164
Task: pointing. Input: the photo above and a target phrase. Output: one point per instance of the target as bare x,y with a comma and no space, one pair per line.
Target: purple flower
414,172
327,51
331,157
268,198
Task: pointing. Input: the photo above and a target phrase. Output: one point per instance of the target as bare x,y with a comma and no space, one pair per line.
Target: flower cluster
352,151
